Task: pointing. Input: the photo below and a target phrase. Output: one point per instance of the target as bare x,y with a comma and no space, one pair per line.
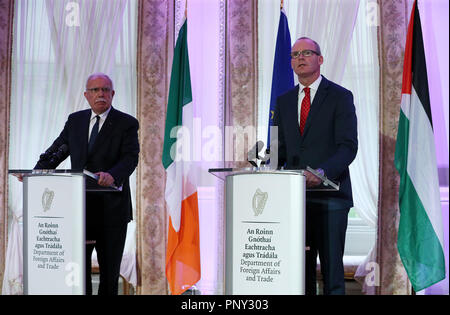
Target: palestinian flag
420,236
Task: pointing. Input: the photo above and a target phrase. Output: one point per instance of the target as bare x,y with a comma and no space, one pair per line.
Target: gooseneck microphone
253,153
59,154
52,157
266,158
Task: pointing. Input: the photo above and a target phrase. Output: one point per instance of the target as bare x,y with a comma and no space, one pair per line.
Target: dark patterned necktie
306,104
94,134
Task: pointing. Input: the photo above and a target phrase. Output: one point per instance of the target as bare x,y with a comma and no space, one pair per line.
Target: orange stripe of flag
183,248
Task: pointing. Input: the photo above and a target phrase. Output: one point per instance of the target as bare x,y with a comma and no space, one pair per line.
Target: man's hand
104,179
312,180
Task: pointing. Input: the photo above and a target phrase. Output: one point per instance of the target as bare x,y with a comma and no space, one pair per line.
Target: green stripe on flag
401,148
418,245
180,92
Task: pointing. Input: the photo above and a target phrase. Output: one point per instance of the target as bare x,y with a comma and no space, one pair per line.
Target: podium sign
265,235
54,234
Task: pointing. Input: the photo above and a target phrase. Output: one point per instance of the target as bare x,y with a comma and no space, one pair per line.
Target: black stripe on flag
419,67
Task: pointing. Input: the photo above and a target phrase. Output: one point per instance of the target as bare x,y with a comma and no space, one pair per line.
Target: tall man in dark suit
104,141
317,127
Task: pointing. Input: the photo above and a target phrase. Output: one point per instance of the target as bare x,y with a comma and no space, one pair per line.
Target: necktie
306,104
94,134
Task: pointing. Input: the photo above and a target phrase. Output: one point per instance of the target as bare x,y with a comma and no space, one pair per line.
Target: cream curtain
362,78
57,44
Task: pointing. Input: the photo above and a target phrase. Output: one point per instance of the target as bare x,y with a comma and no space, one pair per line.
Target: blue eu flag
282,77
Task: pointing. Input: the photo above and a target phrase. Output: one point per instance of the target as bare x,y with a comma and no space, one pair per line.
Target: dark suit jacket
115,151
329,139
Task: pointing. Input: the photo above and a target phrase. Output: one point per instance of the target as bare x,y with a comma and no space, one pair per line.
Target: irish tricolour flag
183,245
420,235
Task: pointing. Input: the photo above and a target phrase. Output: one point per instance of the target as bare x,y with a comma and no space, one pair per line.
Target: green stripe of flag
180,92
418,245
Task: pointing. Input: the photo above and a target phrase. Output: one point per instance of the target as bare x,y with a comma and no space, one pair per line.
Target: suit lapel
317,103
292,110
84,133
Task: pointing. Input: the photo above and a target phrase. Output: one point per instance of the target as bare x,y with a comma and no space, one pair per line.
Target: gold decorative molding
6,30
152,71
391,42
242,75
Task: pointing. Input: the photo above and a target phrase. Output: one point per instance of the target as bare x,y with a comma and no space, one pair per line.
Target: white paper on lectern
96,177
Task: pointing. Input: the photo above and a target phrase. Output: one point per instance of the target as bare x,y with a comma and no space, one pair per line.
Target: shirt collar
102,115
313,86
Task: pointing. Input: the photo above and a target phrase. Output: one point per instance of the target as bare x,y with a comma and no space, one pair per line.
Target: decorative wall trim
392,37
220,188
6,30
154,20
241,69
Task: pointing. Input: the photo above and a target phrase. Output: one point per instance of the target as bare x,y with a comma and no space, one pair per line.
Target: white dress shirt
100,123
312,92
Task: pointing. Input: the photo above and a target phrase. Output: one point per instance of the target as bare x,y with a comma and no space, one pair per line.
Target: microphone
51,158
59,154
253,153
253,163
48,154
266,159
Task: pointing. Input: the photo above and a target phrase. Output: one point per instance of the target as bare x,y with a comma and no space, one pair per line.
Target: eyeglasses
304,53
98,89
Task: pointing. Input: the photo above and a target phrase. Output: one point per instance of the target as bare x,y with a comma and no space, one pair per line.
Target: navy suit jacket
329,140
115,151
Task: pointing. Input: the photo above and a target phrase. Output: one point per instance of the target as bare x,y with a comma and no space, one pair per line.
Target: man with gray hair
104,141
